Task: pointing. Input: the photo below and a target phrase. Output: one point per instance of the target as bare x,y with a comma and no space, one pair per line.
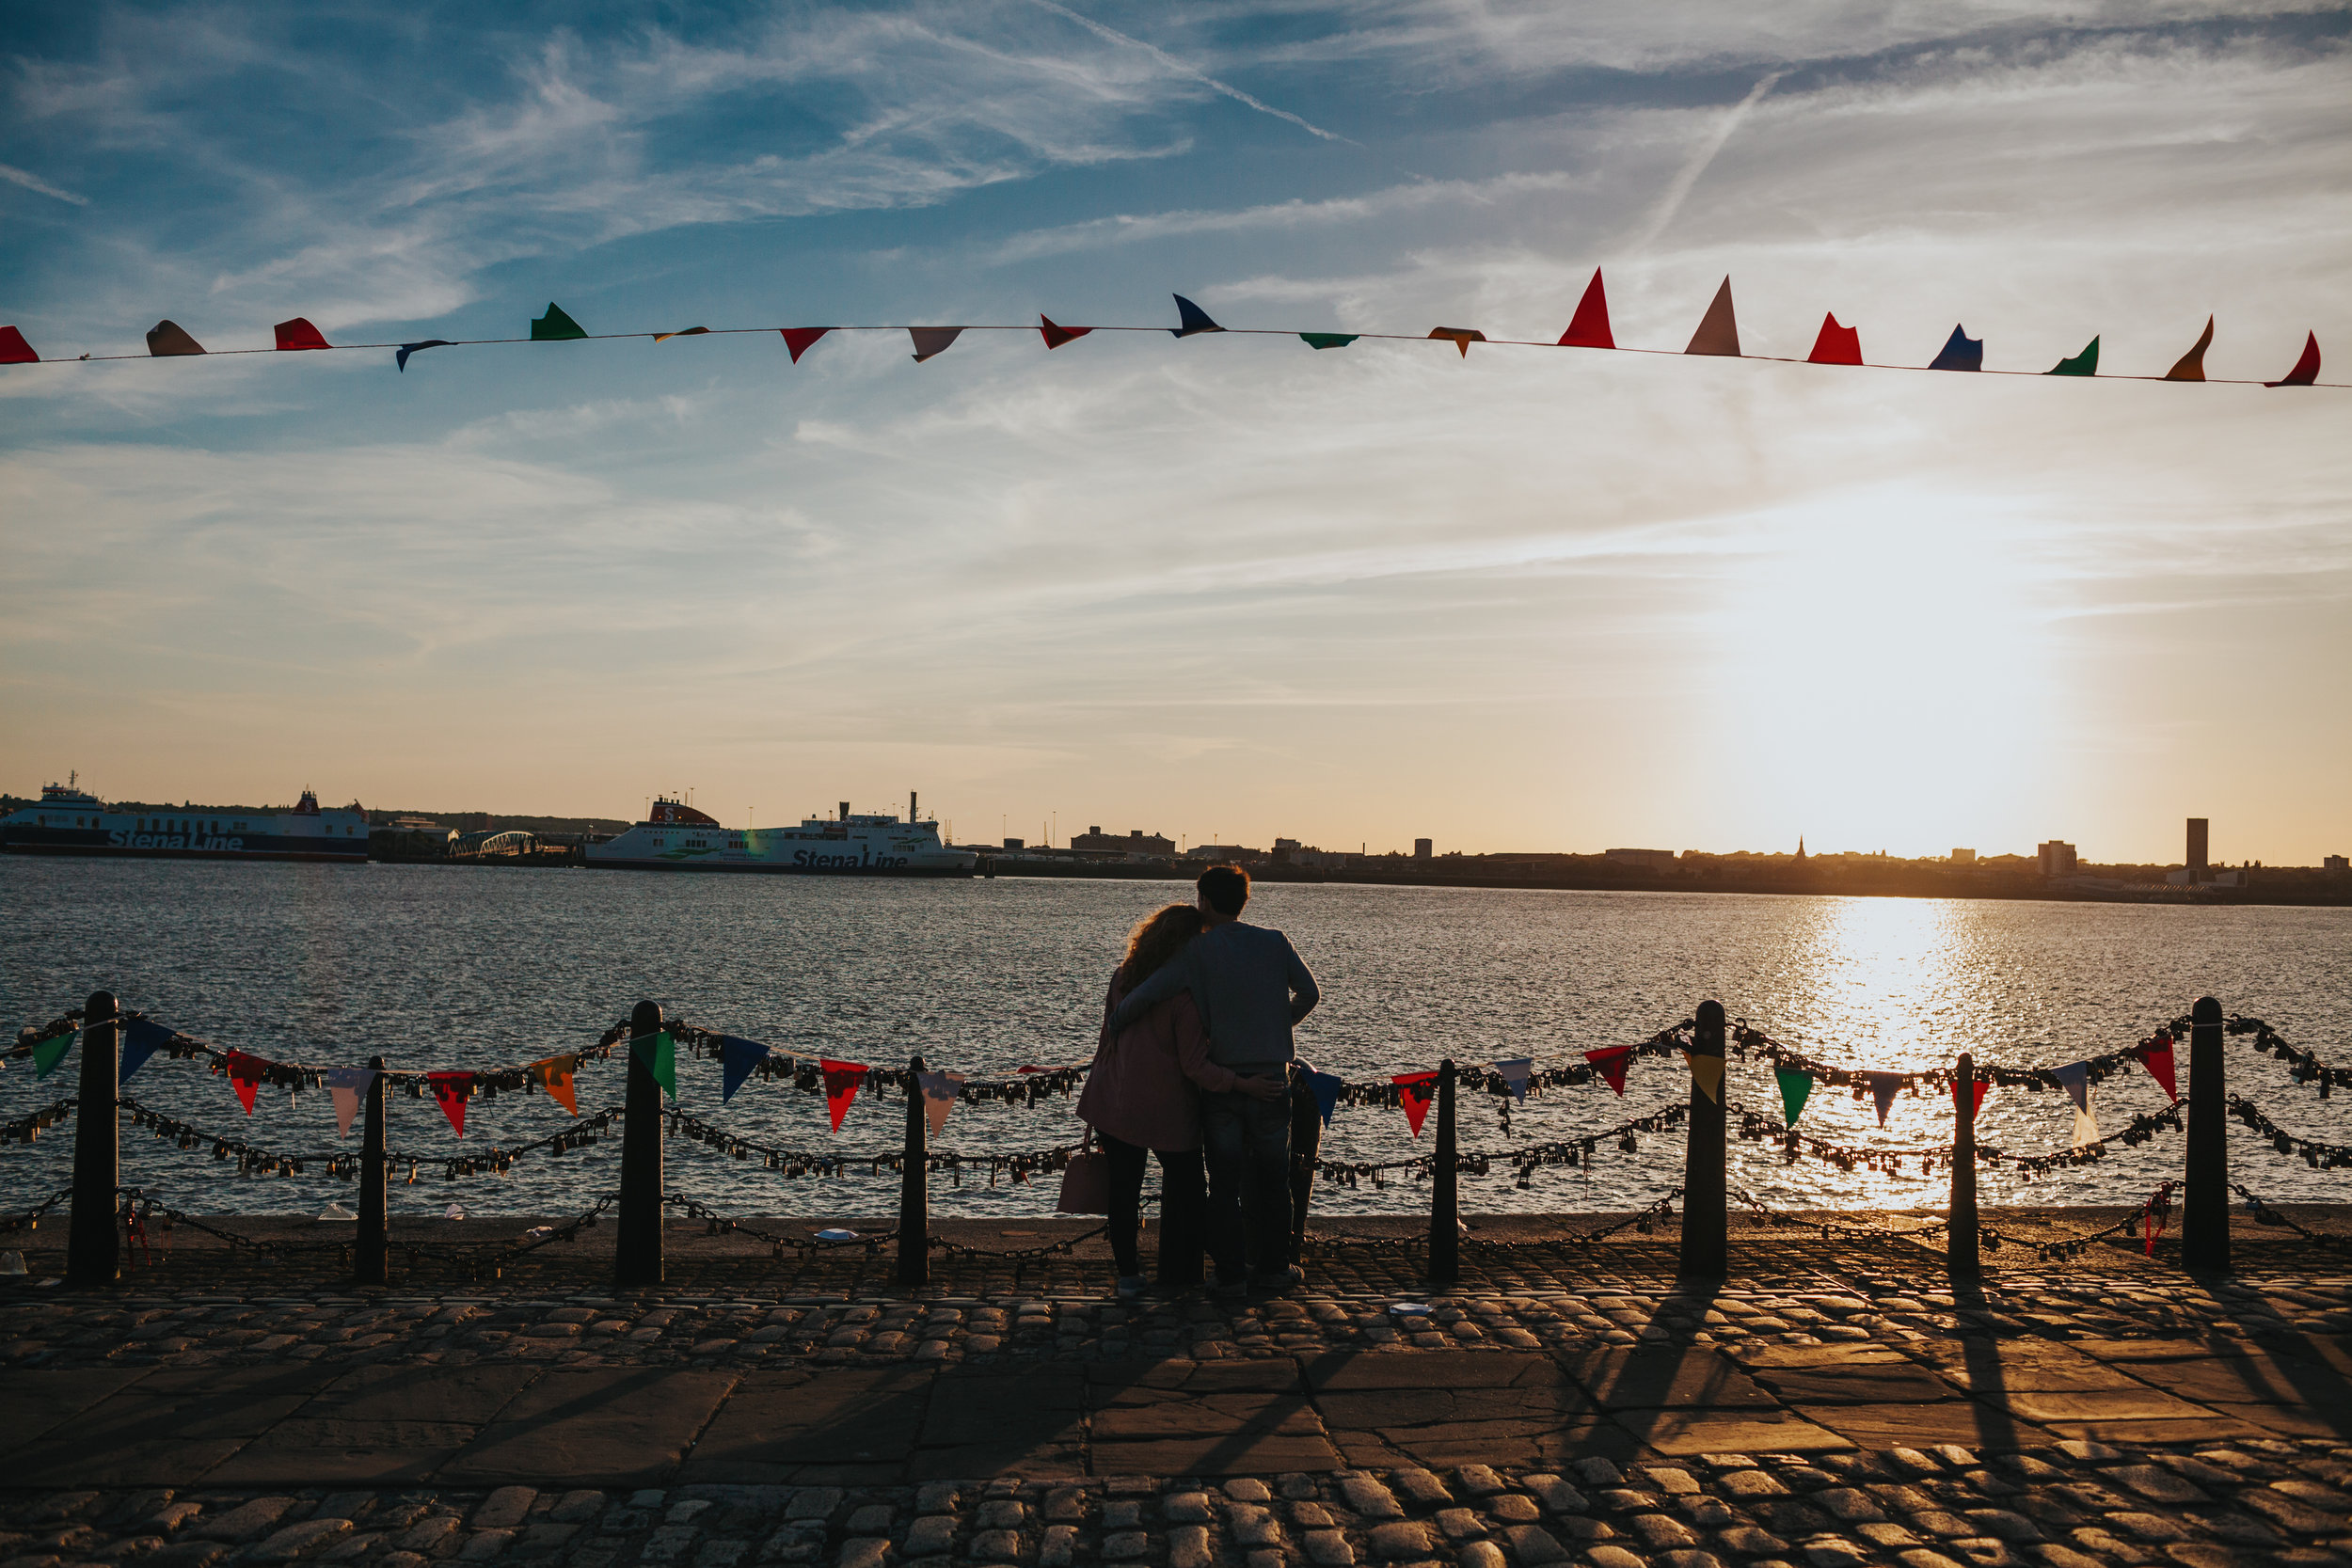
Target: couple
1196,1056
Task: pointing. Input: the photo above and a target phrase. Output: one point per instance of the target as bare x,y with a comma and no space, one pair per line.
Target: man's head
1224,889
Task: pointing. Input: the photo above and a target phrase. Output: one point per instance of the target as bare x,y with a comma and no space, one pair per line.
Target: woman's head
1156,939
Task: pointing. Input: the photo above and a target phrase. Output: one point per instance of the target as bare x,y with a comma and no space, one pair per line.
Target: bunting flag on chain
1959,353
1420,1088
1836,345
800,340
554,1075
167,338
1328,340
1976,1099
659,1054
684,332
346,1086
299,334
933,342
49,1053
1460,337
400,356
453,1090
1719,329
1611,1062
841,1081
1795,1089
2157,1056
1589,326
2075,1079
14,350
2191,366
1191,319
1707,1072
737,1058
1056,336
940,1091
141,1038
244,1076
1515,1074
1326,1088
2084,363
1883,1087
556,326
2305,372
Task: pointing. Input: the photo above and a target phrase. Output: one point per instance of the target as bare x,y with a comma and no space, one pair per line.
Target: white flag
347,1084
940,1090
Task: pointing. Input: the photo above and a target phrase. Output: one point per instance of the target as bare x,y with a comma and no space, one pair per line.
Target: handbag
1086,1181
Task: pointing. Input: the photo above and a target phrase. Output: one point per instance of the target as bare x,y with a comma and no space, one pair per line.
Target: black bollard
637,1250
2205,1218
914,1191
368,1260
1445,1218
90,1255
1706,1248
1306,1148
1961,1241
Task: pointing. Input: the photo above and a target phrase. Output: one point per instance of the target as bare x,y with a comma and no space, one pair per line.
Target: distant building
1649,860
1421,848
2057,858
1963,857
2197,866
2336,866
1016,845
1137,842
1235,853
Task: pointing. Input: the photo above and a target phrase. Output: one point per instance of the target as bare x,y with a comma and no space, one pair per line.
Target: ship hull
104,851
761,867
855,846
81,827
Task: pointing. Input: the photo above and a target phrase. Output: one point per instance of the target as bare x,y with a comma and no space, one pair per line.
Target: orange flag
554,1075
2191,366
1460,337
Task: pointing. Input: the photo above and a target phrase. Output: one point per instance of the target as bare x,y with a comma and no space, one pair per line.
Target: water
438,966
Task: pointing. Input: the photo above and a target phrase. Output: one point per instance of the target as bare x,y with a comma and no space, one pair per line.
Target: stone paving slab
607,1426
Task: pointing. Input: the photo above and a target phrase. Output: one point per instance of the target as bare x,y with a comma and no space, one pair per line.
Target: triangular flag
2075,1081
682,332
941,1090
930,342
1328,340
2084,363
1589,326
49,1053
841,1081
1419,1087
554,1075
1460,337
1719,329
1057,335
453,1090
140,1041
347,1086
1960,353
2191,366
14,350
1611,1063
1707,1072
1836,345
1326,1088
1976,1099
555,327
244,1076
2157,1056
1883,1087
659,1054
399,356
1515,1074
1193,318
298,333
2306,369
736,1057
800,340
1795,1089
168,338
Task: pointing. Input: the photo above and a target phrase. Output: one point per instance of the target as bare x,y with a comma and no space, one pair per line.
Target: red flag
2157,1056
1419,1088
1057,335
453,1090
14,350
841,1081
1975,1100
800,339
1610,1064
1836,345
2306,369
299,333
246,1072
1589,326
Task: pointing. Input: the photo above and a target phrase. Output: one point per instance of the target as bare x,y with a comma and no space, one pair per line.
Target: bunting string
2306,1066
2266,1214
2319,1156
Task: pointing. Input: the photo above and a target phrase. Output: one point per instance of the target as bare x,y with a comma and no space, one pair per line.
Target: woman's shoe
1130,1285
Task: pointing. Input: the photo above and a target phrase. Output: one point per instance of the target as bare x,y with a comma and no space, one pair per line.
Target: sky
1224,587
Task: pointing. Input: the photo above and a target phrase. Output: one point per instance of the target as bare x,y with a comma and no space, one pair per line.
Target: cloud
1181,69
34,183
1678,190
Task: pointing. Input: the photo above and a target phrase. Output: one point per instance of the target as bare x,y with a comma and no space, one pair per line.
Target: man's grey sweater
1250,988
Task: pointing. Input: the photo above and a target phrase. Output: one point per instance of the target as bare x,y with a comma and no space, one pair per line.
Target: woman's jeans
1249,1147
1183,1199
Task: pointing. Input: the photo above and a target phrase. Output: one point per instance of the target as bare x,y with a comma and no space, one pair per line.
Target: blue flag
736,1057
1193,318
1326,1089
140,1041
401,355
1960,353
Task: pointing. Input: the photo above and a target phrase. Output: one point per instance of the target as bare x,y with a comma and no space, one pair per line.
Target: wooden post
367,1262
1445,1218
90,1254
1962,1257
1705,1249
1306,1148
914,1193
637,1251
2205,1219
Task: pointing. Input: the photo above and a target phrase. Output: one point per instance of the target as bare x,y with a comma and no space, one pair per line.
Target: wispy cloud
34,183
1181,69
1679,189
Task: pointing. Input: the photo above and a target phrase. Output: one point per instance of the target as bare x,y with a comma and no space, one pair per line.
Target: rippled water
436,966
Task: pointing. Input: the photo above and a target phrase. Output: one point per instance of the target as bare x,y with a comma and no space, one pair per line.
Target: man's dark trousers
1247,1143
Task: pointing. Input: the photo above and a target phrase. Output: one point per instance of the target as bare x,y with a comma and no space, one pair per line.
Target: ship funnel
845,810
911,808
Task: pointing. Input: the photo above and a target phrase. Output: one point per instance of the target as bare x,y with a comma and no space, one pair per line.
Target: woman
1140,1095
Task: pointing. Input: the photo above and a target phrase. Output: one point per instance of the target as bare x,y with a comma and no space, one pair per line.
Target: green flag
659,1054
1795,1089
2084,363
555,327
1330,340
48,1053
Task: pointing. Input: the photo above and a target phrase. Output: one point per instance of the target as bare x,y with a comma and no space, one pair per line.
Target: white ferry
69,821
677,837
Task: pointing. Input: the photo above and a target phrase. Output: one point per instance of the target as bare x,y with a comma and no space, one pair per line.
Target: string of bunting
1760,1127
2319,1156
253,1160
1522,1161
2151,1218
2308,1066
1717,336
2154,1054
1016,1166
2264,1215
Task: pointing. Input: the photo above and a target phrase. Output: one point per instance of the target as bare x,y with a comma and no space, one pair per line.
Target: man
1250,989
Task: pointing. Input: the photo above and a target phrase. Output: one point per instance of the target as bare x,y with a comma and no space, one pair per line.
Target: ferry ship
677,837
69,821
